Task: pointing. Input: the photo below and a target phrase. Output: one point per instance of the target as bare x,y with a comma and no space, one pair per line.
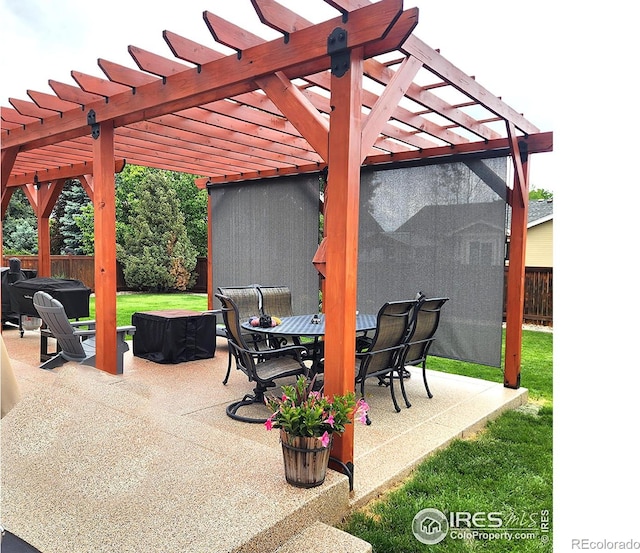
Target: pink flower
330,420
325,439
269,423
361,411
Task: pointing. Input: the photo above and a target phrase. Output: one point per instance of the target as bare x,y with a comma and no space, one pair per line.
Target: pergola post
7,159
105,246
516,272
46,197
341,224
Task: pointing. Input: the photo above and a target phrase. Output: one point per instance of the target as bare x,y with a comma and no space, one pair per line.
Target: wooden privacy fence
80,267
538,301
538,297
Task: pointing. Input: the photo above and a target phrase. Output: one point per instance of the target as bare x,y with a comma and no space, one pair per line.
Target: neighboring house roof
540,211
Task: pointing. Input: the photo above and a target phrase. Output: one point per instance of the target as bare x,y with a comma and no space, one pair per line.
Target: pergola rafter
358,89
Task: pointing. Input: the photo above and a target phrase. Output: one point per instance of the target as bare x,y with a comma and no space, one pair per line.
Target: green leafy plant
301,411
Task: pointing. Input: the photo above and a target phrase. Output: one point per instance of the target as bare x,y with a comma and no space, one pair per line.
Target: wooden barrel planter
305,460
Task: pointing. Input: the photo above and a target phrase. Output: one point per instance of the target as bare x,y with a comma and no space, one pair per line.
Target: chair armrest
369,353
129,329
296,351
416,342
278,352
90,324
92,331
85,333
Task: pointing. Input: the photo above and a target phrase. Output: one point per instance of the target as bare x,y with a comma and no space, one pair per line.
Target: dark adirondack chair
74,342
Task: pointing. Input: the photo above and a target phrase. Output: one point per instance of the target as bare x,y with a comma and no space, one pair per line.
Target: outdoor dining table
310,326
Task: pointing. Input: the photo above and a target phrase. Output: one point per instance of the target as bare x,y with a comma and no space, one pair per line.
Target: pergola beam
442,67
68,172
305,52
537,143
386,103
285,95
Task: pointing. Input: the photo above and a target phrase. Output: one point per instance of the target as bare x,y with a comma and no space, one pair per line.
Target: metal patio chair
276,302
261,367
382,357
73,342
421,336
247,300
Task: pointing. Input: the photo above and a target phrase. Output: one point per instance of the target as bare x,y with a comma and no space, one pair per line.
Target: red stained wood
387,101
68,172
153,63
105,250
515,280
189,50
341,231
49,101
304,53
29,109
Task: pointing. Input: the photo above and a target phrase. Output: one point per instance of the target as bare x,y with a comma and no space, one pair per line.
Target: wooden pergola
355,90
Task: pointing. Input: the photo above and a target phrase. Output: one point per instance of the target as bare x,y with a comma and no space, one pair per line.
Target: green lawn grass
128,304
507,468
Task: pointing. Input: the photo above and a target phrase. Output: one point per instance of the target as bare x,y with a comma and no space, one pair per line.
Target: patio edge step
322,538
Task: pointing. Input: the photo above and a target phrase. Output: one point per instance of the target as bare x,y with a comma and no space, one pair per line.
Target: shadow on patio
148,461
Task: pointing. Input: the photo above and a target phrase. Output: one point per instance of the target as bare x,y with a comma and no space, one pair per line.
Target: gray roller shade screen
266,232
439,229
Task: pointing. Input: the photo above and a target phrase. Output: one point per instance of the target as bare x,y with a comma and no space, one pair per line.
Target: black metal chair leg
402,388
393,393
424,377
226,378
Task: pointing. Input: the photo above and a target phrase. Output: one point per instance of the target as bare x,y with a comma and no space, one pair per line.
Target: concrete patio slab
149,461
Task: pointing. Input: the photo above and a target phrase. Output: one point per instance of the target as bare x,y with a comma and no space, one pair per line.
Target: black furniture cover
174,336
71,293
7,278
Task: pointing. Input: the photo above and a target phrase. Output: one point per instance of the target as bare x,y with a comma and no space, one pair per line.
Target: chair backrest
245,298
392,324
425,323
52,312
276,301
235,334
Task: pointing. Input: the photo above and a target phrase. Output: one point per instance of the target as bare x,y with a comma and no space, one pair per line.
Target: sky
570,67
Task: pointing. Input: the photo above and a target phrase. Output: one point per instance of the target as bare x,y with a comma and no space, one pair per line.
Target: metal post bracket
340,54
95,127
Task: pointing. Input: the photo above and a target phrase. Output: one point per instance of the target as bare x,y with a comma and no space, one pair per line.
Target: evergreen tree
85,222
193,203
155,251
72,199
23,239
20,226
